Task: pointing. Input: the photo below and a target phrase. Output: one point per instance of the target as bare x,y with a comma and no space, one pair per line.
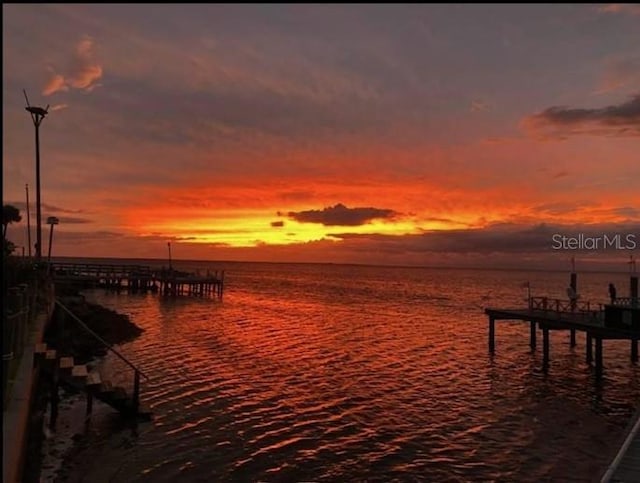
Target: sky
455,135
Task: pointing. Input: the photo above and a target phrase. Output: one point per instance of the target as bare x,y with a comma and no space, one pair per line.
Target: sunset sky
383,134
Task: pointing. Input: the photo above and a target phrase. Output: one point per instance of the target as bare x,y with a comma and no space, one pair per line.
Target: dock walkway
141,278
554,314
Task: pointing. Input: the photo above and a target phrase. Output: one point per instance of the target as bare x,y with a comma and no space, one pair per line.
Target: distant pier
619,320
142,278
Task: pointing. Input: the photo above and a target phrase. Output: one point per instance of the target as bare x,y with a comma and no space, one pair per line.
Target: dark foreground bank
44,444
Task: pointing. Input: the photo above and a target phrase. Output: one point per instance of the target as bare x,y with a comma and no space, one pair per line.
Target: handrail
100,339
561,305
611,469
626,301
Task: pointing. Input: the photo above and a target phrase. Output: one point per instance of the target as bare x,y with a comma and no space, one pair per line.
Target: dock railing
626,302
136,371
564,306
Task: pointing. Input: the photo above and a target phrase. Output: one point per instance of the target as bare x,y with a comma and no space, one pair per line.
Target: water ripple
362,373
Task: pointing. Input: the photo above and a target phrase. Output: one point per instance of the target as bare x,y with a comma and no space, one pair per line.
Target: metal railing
626,302
109,347
561,306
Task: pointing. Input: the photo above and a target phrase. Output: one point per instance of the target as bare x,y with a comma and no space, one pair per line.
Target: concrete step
79,371
66,362
93,379
41,348
50,354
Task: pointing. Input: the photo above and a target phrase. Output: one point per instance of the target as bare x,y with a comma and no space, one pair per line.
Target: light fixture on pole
37,115
169,245
52,220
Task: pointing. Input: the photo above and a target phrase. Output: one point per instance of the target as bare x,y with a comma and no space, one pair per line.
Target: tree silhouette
10,214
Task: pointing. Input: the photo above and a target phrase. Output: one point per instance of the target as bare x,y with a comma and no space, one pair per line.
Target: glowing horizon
241,131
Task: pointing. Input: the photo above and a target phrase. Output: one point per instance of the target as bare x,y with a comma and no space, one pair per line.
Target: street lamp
52,220
37,115
169,245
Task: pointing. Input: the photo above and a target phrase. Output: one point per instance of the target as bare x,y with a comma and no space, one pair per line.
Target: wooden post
54,395
492,332
545,347
89,403
598,356
589,348
136,392
634,350
532,339
573,337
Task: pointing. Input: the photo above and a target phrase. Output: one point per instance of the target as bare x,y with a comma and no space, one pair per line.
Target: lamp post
37,115
52,220
169,245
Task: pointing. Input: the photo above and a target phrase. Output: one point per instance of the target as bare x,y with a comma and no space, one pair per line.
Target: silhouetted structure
37,115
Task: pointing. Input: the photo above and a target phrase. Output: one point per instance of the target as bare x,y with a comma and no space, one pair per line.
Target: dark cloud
340,215
277,224
500,238
561,122
21,205
69,220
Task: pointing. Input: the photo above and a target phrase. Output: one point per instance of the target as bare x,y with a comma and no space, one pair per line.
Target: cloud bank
340,215
561,122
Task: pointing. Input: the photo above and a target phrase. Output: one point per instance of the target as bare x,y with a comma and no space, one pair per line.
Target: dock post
589,348
492,333
136,391
532,339
573,337
89,403
55,397
545,347
598,356
634,350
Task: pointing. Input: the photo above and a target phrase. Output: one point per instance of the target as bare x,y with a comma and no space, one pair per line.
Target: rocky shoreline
49,452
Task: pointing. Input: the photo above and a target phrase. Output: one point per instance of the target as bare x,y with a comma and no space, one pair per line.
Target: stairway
77,376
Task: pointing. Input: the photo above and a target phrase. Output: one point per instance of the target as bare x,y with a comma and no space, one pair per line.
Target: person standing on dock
612,293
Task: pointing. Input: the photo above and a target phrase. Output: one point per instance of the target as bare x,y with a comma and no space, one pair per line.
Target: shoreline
51,454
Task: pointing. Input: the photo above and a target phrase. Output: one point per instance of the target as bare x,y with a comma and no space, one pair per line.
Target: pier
619,320
142,278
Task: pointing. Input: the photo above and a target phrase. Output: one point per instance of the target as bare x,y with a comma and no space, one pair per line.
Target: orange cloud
84,72
624,8
56,83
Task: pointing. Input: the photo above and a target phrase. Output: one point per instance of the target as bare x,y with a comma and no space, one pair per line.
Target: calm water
350,373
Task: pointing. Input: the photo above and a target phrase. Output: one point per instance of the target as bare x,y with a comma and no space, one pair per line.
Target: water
352,373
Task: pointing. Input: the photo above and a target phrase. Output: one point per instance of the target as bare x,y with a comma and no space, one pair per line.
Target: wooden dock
596,320
142,278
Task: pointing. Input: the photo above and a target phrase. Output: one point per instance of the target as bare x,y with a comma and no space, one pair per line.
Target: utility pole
37,115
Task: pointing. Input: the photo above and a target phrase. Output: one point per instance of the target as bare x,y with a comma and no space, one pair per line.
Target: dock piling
573,337
589,348
634,350
492,333
532,338
545,348
598,356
